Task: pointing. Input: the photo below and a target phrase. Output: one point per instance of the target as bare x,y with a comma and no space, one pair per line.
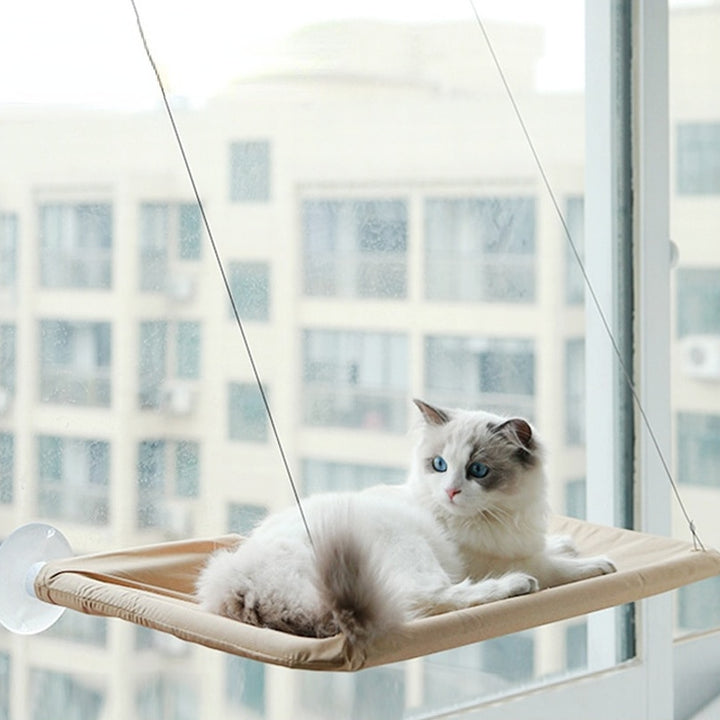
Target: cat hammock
153,586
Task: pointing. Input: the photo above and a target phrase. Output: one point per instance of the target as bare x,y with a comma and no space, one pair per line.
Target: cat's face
472,462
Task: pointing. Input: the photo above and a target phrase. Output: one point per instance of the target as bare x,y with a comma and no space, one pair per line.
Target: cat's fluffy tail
353,582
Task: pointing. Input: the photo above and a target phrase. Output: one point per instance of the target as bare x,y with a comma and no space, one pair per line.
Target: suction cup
22,555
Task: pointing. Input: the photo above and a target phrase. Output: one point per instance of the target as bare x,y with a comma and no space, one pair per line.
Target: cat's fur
445,540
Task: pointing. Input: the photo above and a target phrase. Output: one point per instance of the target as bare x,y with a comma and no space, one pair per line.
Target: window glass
75,362
7,364
698,158
384,230
250,286
355,379
494,374
76,245
247,419
8,249
480,249
250,171
355,248
695,224
73,479
7,468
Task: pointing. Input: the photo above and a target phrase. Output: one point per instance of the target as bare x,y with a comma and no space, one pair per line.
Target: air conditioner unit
180,287
177,399
701,357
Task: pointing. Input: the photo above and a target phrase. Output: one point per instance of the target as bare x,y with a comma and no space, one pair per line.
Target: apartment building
384,235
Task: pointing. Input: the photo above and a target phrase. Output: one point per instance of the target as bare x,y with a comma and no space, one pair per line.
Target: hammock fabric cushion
153,586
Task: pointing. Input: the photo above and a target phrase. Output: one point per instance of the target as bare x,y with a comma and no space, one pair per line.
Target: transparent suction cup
22,555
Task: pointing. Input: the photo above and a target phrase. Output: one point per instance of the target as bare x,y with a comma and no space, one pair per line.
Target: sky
88,51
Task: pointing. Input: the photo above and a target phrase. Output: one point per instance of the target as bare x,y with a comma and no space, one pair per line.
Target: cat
469,526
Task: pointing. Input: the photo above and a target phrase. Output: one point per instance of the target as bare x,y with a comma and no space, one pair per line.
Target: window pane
355,248
187,354
355,379
698,158
76,245
190,239
250,171
694,213
480,249
247,420
75,362
7,468
73,480
250,285
8,249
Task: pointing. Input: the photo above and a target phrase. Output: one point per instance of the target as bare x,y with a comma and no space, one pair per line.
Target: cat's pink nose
452,492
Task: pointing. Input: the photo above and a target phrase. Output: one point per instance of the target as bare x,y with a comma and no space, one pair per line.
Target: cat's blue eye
478,470
439,464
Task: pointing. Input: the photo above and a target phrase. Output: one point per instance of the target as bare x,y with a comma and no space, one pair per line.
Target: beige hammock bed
153,586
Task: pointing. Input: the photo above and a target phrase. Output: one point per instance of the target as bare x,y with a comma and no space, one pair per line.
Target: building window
480,249
5,663
494,374
698,607
250,171
7,468
575,221
151,483
245,684
169,698
73,479
355,379
247,417
575,498
163,346
50,690
698,301
244,517
576,640
187,350
494,663
7,365
698,158
169,232
187,469
75,362
8,249
80,628
327,476
152,362
168,474
355,248
698,449
575,391
250,287
76,245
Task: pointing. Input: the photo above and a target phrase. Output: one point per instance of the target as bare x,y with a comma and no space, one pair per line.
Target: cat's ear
519,431
433,415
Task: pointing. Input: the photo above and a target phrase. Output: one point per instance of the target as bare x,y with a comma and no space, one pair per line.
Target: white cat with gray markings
468,527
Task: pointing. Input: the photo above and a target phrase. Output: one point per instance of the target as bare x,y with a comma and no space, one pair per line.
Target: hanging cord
223,274
697,543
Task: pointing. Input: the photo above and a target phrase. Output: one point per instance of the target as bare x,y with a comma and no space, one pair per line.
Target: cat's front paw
519,583
594,566
605,565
